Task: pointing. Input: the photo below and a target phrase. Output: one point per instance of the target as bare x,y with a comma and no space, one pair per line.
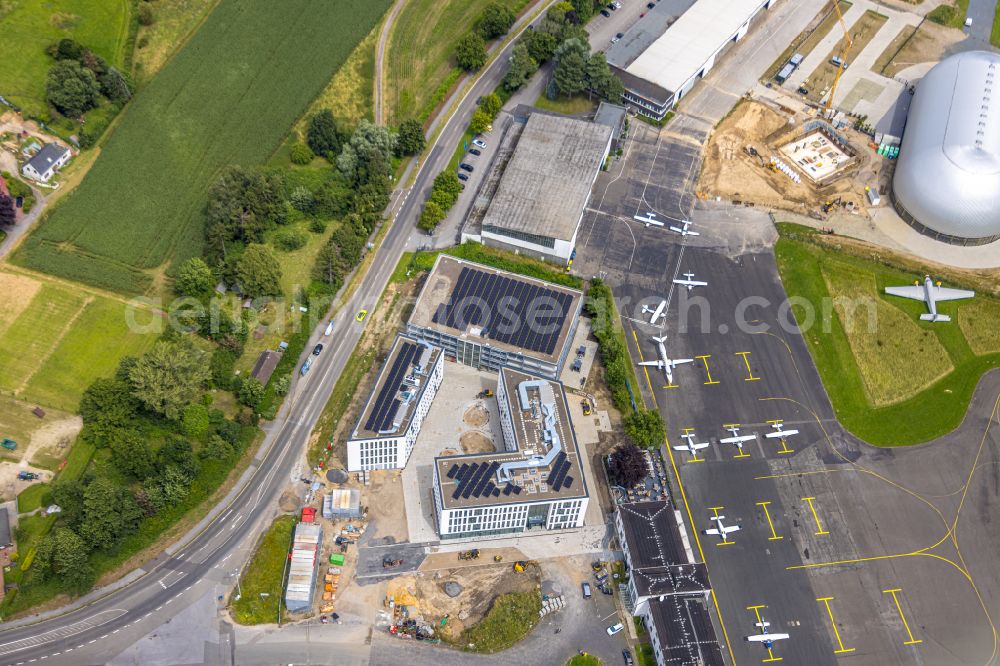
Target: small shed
308,515
342,504
265,365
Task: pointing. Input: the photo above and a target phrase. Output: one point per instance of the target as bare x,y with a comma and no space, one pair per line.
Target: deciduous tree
107,407
411,137
259,272
131,455
645,428
71,88
194,278
628,465
322,135
109,513
64,554
495,20
480,122
522,67
242,205
470,52
8,215
541,45
169,376
252,393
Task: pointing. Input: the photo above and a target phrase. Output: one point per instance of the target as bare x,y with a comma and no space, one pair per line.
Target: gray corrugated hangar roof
547,182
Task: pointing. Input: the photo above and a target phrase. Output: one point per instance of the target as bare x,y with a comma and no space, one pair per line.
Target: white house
389,425
46,162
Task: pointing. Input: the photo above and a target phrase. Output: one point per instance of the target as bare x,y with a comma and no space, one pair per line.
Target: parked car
611,6
605,589
605,13
475,151
317,349
465,166
586,590
627,656
479,143
615,628
619,35
463,176
650,5
803,90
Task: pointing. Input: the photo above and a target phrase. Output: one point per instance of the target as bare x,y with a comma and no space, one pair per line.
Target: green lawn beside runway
901,354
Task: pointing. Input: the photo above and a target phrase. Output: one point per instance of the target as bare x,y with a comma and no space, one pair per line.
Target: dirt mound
476,416
476,442
289,501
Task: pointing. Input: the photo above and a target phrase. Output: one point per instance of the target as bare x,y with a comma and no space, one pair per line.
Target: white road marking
80,626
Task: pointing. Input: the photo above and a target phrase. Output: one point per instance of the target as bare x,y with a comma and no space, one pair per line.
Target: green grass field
228,97
18,423
62,342
419,53
265,573
936,409
509,619
567,105
584,660
30,498
176,21
951,15
27,27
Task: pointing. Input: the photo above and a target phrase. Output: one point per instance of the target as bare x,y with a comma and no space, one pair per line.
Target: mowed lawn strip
31,338
265,575
931,413
896,357
979,320
27,27
419,54
228,97
91,349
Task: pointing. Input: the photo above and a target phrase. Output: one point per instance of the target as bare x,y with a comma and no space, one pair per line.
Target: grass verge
644,655
508,621
952,16
264,575
30,498
995,32
584,660
936,410
569,106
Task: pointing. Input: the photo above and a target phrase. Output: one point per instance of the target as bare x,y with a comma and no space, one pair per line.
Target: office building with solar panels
535,484
488,318
666,588
389,425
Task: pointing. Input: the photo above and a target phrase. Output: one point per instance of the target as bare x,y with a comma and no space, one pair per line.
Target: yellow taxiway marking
750,376
770,652
906,625
694,456
687,507
671,386
742,454
784,445
767,514
704,359
812,508
833,623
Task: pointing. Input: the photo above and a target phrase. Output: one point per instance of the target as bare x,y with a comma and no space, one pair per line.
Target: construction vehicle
840,60
596,565
485,393
829,205
388,562
587,410
498,558
9,444
469,554
519,566
27,476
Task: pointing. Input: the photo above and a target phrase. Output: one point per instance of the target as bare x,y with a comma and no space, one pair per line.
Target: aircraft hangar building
539,201
947,180
660,58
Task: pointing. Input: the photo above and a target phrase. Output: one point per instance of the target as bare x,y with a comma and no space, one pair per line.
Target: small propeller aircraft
666,363
691,447
720,529
657,311
648,219
765,637
683,230
737,438
690,282
779,433
930,293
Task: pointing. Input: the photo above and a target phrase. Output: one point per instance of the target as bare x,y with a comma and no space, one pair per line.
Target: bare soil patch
384,499
930,43
17,291
50,443
476,416
476,442
481,584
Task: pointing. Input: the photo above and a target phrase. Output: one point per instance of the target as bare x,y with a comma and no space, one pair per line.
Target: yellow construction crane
848,42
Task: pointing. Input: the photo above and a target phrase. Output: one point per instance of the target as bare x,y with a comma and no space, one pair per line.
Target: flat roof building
659,73
390,422
544,188
666,587
488,318
537,483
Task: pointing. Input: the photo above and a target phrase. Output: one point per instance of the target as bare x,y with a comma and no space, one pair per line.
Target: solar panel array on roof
386,404
507,310
453,471
557,472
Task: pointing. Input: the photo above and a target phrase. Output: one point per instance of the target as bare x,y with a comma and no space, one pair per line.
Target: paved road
981,12
15,233
108,624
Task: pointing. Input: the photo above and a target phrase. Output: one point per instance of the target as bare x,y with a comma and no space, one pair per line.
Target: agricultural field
228,97
60,340
419,54
27,27
942,363
176,21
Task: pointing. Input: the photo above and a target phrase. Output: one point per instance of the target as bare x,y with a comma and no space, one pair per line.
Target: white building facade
46,162
368,450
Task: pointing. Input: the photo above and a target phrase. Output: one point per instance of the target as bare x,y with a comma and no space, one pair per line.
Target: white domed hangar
947,180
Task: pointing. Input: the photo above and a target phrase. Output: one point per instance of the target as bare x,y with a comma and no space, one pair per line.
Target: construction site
766,154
